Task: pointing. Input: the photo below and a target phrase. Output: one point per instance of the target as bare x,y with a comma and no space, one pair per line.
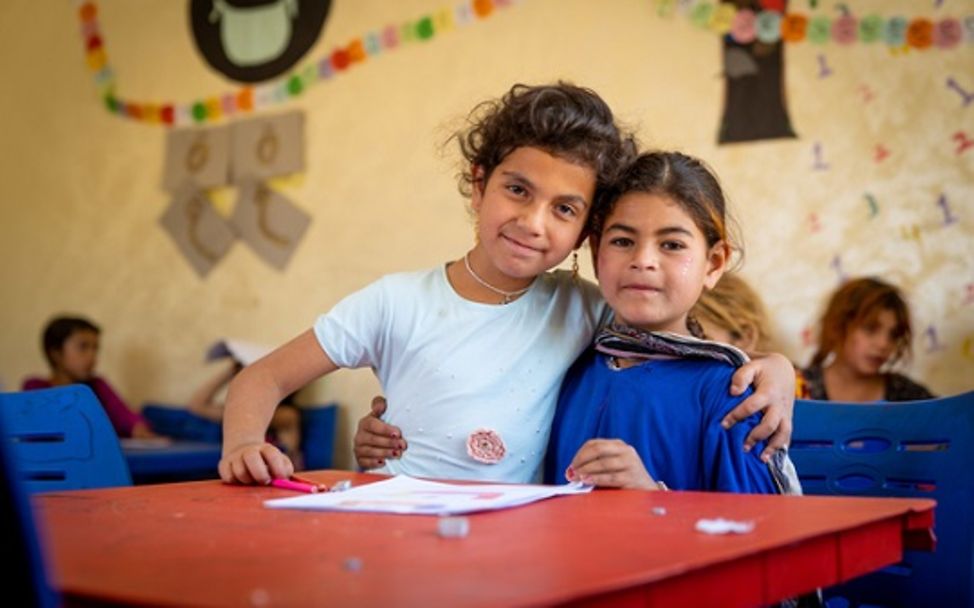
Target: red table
208,544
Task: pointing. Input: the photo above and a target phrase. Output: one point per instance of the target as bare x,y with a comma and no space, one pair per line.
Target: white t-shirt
449,366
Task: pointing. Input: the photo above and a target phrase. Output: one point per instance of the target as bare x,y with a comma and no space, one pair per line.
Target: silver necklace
509,296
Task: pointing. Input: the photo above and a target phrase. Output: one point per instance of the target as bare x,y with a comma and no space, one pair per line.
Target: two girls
471,354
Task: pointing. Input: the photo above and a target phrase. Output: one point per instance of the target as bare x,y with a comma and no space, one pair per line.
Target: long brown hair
858,302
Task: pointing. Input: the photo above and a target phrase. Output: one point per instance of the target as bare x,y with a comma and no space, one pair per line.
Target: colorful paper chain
247,99
772,23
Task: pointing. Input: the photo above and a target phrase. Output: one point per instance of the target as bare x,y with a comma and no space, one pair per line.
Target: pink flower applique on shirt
486,446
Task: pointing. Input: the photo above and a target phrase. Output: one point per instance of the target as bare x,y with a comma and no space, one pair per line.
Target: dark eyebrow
661,232
561,198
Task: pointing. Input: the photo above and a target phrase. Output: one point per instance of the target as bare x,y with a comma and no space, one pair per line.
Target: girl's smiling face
530,215
653,262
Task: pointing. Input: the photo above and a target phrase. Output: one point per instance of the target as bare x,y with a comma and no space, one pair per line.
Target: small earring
574,265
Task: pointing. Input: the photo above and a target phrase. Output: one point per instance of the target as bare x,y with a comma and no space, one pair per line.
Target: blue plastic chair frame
318,426
24,578
61,439
921,449
177,460
318,436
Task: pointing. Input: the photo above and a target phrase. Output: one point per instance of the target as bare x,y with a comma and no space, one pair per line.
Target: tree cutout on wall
754,87
754,33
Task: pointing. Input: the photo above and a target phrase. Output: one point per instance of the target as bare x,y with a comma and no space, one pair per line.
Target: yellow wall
81,195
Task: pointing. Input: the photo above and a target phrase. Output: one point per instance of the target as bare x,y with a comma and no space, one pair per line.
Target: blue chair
61,439
318,436
318,425
179,422
24,580
922,449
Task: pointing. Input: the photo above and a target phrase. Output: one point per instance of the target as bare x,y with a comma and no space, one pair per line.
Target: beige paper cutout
200,233
267,147
269,223
200,156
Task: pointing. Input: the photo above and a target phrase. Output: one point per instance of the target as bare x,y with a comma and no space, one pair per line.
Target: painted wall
79,229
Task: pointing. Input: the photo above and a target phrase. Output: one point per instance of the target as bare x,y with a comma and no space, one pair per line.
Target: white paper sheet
242,351
410,496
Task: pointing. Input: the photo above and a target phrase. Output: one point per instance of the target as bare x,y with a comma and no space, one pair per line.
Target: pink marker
287,484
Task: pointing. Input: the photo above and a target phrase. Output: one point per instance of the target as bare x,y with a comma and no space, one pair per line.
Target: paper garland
246,99
771,25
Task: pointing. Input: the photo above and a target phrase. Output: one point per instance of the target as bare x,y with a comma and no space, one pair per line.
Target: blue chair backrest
24,579
919,449
318,435
61,439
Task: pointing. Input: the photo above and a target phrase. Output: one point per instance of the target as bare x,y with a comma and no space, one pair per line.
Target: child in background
864,332
471,353
285,426
733,313
643,408
70,345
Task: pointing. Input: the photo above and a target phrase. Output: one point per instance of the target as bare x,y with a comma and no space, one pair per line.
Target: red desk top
209,544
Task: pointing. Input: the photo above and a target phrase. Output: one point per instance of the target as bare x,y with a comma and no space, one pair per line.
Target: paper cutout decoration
251,42
269,223
199,232
738,63
268,147
754,99
197,156
241,351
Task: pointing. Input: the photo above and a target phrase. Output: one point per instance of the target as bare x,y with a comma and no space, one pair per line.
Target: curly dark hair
562,119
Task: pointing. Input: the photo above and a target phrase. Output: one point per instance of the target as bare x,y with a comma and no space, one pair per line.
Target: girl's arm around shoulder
729,467
773,377
254,394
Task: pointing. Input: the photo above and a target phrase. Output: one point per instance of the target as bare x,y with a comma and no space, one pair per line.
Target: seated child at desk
643,407
865,331
71,347
285,426
733,313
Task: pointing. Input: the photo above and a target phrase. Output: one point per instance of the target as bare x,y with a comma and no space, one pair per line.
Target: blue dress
669,410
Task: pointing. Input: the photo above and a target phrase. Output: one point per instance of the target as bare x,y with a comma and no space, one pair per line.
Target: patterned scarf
618,340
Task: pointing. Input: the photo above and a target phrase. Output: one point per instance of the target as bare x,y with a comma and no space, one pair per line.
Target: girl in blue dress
642,408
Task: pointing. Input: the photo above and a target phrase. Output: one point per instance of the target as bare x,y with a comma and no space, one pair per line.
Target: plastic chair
24,580
318,435
62,439
179,422
922,449
318,425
